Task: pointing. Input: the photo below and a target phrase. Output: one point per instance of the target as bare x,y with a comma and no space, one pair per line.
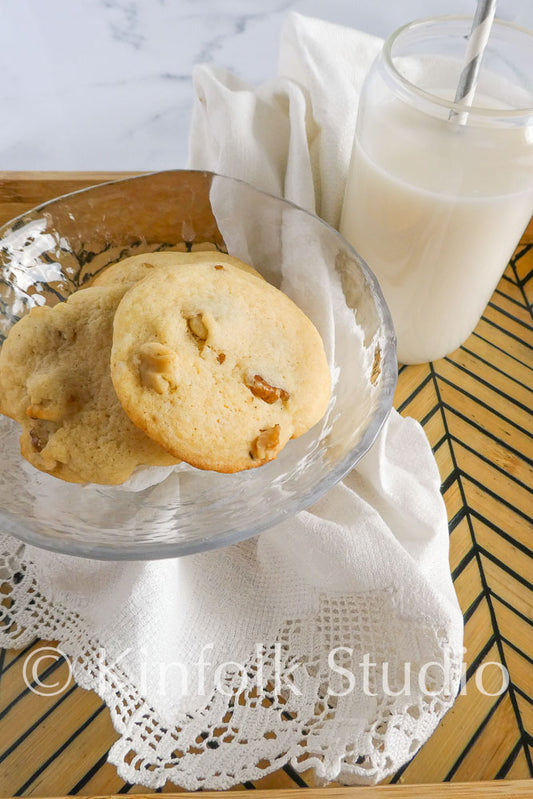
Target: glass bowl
58,247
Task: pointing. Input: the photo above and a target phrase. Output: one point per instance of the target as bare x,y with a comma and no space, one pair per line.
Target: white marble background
106,84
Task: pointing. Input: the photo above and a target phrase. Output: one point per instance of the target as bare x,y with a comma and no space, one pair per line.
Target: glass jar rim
450,105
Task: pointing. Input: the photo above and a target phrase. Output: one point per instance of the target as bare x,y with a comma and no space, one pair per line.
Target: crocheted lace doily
357,729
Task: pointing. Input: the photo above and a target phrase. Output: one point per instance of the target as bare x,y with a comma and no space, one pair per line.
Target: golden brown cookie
136,267
55,381
218,367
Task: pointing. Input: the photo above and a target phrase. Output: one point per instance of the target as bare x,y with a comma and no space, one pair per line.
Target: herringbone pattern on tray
475,407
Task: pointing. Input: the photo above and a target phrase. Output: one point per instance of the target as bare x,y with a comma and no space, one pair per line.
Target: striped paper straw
477,41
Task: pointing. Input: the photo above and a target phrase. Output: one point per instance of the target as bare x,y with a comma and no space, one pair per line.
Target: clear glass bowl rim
161,550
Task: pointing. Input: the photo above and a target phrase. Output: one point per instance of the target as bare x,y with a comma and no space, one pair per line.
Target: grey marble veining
106,84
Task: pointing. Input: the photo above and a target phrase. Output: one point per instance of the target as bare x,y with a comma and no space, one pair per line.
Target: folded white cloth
292,136
332,641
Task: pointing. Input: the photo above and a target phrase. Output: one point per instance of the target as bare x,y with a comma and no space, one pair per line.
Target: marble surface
106,84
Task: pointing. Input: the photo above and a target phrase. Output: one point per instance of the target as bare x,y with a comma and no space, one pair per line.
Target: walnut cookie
55,381
221,369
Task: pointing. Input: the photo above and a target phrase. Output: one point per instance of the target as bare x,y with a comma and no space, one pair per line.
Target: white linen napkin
332,641
292,136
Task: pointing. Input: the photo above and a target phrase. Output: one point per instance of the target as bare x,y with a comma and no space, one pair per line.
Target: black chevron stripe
429,415
469,612
461,566
480,657
509,315
502,533
518,577
459,516
493,464
89,775
452,478
500,293
37,723
413,394
520,254
492,366
486,383
48,761
20,654
523,695
506,767
439,443
507,333
507,354
479,549
474,738
46,673
522,282
526,279
517,649
511,607
494,496
482,404
507,279
295,777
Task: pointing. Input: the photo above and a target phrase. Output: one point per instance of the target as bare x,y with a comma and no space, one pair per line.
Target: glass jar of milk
435,203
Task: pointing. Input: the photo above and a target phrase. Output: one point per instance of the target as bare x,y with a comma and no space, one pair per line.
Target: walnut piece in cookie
260,388
267,444
197,326
157,366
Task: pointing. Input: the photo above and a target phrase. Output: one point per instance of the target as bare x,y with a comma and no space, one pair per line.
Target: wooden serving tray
475,406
